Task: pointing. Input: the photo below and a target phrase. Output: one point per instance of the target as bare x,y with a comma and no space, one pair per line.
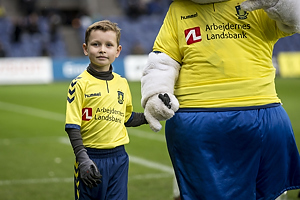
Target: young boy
99,107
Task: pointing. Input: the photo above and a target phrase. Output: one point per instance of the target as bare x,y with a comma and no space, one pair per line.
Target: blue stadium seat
30,45
290,43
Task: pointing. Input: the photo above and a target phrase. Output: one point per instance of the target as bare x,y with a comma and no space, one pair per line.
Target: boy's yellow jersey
225,53
99,108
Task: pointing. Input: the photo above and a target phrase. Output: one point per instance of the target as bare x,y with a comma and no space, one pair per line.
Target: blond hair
104,25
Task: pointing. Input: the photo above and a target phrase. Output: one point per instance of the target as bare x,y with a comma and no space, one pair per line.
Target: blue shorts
249,154
113,166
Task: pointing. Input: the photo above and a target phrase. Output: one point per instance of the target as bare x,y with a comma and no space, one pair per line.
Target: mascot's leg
204,161
233,155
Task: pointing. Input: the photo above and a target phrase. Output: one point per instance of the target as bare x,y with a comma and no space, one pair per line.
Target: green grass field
37,159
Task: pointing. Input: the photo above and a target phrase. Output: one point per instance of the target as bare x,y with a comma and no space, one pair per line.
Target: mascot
227,133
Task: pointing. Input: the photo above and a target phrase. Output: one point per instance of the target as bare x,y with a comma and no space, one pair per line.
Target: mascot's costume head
161,72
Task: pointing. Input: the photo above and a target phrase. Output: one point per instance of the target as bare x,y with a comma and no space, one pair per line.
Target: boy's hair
104,25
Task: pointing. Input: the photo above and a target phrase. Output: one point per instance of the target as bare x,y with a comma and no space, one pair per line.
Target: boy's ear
85,50
119,50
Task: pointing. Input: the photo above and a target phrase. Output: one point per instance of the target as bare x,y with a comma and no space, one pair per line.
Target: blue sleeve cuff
72,126
130,119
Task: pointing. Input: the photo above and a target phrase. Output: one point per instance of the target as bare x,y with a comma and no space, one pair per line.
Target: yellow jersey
99,108
225,54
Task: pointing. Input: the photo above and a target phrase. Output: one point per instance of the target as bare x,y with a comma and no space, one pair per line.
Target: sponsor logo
109,114
87,114
227,31
192,35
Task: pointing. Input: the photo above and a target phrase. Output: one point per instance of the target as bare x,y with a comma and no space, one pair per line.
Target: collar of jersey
101,75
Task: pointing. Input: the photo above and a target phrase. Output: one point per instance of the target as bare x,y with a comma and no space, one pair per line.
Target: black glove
89,173
166,99
88,170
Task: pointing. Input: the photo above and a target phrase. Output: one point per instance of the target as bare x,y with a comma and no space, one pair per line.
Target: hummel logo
192,35
189,16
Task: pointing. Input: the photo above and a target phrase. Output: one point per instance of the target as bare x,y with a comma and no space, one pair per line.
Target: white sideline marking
61,118
147,135
35,181
137,160
32,111
70,180
151,164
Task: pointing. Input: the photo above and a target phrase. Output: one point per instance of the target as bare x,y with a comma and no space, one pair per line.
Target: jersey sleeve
269,26
167,38
129,107
74,105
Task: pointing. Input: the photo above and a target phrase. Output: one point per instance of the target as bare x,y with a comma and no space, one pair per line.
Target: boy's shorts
113,166
249,154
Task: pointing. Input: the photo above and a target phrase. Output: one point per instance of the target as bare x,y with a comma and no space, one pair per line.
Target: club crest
120,97
240,13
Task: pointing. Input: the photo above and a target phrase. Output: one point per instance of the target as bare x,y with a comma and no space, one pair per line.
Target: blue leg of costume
248,154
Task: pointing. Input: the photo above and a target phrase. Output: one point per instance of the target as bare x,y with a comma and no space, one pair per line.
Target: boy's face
102,49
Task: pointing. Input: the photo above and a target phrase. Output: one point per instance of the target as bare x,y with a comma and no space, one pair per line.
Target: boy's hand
89,173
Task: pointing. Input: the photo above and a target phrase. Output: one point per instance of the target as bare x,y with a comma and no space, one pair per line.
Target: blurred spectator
155,7
45,52
136,8
27,6
137,49
85,20
54,23
82,20
2,51
32,23
17,31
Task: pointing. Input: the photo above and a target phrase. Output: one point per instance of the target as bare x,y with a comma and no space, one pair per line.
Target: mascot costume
227,133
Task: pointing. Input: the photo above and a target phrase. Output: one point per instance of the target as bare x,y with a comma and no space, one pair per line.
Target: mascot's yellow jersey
99,109
225,54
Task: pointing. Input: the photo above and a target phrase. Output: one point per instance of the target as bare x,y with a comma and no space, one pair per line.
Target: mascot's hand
160,107
251,5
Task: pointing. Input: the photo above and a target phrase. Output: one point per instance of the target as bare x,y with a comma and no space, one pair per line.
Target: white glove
159,77
284,12
156,110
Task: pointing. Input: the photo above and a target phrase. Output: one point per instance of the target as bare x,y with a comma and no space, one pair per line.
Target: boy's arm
88,170
136,119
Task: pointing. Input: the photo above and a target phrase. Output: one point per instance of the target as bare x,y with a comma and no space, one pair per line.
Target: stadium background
40,50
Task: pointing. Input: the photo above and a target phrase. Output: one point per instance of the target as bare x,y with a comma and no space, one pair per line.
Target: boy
98,109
